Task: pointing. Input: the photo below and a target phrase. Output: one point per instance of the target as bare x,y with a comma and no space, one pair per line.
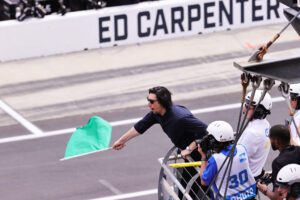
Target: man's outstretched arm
120,143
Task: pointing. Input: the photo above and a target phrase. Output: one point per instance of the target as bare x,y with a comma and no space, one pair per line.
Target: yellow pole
189,164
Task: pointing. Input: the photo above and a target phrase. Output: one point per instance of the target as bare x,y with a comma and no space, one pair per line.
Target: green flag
93,136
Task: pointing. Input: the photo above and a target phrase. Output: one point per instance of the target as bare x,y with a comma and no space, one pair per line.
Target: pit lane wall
133,24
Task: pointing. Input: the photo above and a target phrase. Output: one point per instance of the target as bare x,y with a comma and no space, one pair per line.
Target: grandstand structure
22,9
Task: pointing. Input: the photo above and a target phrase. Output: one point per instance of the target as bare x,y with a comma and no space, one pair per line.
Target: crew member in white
255,138
241,183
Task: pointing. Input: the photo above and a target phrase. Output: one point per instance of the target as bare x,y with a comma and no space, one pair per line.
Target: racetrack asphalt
63,91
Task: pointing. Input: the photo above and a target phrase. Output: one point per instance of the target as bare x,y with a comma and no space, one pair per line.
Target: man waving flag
93,137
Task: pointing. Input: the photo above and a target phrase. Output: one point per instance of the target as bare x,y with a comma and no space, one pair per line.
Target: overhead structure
290,3
289,13
292,11
285,69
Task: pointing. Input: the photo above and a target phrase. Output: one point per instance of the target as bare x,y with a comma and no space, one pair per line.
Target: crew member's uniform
256,141
241,181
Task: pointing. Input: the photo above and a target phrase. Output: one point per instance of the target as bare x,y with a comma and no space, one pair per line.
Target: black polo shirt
181,126
289,155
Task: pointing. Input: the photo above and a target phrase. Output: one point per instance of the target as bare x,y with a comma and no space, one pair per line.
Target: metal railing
170,183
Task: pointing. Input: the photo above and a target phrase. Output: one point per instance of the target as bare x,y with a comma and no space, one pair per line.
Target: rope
245,80
256,81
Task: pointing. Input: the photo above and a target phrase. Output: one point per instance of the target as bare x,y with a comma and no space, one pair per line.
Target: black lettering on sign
242,2
178,20
228,14
208,14
254,9
163,25
141,15
120,18
191,17
103,29
272,7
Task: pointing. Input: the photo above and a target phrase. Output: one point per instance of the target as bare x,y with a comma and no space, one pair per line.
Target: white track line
124,122
29,126
110,186
129,195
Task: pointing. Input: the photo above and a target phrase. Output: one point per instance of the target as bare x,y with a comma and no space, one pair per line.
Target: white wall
131,24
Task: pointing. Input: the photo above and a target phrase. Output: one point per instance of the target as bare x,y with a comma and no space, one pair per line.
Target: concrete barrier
133,24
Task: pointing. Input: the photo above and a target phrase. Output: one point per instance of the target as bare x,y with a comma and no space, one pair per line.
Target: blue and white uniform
241,182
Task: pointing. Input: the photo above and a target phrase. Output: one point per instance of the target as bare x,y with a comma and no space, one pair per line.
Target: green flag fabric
93,136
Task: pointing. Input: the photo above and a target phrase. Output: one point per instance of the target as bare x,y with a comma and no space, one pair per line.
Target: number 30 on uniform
240,179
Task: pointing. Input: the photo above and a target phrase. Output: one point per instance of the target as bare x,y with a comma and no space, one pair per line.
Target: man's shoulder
150,114
218,157
212,160
179,108
180,111
261,123
258,128
289,154
292,148
297,149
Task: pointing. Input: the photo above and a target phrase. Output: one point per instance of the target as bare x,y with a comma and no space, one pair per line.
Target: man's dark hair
163,96
281,133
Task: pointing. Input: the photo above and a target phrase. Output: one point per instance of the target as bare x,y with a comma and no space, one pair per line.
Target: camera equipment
206,143
266,178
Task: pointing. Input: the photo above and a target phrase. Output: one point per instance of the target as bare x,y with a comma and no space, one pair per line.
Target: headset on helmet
265,106
289,174
221,131
295,93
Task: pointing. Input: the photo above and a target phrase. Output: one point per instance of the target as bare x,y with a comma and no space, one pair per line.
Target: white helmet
266,102
221,130
289,174
295,89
